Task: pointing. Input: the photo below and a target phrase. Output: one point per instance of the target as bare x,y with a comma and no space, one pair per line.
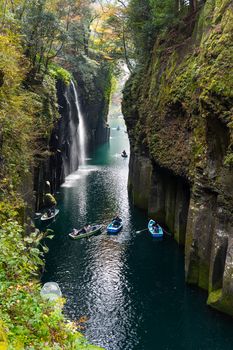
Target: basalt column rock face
165,196
63,146
178,111
94,88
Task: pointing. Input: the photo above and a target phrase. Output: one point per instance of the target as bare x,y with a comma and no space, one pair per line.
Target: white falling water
81,129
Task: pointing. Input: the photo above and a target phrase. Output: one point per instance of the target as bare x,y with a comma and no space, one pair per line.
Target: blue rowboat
155,230
115,226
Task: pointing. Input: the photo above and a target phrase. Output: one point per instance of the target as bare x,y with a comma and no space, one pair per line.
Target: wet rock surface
178,111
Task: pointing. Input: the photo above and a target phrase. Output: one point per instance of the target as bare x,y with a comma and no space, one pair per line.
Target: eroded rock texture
178,111
94,88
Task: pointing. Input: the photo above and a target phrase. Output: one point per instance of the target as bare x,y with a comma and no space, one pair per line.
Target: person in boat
75,232
116,220
155,227
87,228
49,213
124,153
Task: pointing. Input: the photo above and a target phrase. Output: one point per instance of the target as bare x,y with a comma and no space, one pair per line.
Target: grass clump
60,73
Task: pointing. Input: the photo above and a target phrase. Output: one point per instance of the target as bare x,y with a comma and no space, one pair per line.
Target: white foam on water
83,170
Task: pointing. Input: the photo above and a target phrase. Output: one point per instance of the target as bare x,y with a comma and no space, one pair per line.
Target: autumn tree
110,34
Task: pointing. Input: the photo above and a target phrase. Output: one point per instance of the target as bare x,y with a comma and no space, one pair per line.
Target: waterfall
81,128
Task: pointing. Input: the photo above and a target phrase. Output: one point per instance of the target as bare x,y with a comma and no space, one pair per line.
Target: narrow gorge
116,159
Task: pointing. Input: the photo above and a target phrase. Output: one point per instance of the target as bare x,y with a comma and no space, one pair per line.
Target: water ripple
130,288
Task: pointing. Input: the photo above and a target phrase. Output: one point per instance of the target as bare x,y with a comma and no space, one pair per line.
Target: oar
142,230
168,233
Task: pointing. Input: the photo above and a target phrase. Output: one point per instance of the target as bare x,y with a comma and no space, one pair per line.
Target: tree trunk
193,5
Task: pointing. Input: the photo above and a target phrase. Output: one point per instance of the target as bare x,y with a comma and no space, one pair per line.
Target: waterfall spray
81,128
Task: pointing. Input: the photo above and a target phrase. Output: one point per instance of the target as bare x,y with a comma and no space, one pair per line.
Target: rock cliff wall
94,88
58,163
178,111
94,78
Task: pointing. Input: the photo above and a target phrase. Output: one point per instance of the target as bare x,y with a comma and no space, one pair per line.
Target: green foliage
110,34
43,33
29,322
148,20
141,24
48,29
228,161
23,113
16,110
31,36
20,256
59,73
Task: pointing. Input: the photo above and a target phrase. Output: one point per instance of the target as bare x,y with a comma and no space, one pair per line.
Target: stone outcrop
50,171
62,157
178,111
93,77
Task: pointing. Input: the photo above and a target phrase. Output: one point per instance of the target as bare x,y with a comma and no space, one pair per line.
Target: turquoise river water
130,287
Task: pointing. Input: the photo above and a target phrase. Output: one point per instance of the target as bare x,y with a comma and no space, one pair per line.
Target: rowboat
85,233
46,215
115,226
155,230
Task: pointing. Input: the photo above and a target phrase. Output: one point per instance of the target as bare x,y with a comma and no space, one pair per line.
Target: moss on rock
178,110
221,302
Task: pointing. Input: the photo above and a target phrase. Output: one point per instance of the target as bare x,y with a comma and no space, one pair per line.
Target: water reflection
130,287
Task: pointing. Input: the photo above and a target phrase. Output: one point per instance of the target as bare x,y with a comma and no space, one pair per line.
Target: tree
44,34
110,34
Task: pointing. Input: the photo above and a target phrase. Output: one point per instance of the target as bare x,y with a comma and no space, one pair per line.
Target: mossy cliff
94,80
28,115
178,111
57,160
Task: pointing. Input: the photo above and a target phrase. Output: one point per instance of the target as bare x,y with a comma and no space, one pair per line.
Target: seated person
49,213
155,227
75,232
87,228
117,219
